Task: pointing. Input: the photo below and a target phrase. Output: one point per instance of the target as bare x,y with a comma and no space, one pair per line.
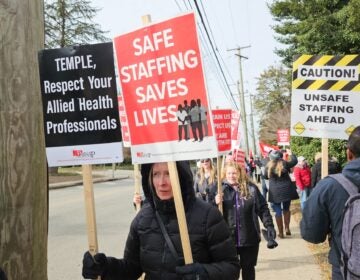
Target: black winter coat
280,188
243,216
146,249
206,190
333,168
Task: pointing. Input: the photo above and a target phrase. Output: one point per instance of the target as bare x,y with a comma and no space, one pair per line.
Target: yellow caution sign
325,96
326,72
299,128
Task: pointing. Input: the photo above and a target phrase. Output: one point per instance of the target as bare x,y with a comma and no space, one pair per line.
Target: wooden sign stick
137,184
90,208
180,212
219,186
324,157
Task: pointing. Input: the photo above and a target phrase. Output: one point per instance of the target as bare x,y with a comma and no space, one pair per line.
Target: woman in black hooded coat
146,251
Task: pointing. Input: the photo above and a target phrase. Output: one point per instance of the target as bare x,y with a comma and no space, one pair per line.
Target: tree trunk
23,172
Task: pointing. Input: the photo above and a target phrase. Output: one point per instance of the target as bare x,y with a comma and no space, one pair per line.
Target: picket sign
180,212
219,166
179,204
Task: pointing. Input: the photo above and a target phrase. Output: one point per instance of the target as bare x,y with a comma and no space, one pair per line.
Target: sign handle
219,188
90,209
324,157
180,212
137,184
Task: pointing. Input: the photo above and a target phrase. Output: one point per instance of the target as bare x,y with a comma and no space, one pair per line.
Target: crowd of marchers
223,213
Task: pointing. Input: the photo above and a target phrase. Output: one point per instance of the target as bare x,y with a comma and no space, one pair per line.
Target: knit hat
275,155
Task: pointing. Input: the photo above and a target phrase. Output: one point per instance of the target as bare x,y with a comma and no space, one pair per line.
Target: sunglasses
205,160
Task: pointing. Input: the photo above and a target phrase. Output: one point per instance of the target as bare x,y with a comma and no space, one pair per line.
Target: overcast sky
233,23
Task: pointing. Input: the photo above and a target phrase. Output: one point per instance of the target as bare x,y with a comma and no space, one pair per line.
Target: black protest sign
78,89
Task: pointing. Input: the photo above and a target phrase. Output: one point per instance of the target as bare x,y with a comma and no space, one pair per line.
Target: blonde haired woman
243,205
281,188
205,184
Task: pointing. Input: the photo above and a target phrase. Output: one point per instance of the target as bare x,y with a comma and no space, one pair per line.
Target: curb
80,182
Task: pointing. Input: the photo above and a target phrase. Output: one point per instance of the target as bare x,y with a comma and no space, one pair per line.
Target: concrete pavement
292,259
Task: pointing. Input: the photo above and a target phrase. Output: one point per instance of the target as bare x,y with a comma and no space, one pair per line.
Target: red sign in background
239,157
159,68
124,123
222,126
235,133
283,136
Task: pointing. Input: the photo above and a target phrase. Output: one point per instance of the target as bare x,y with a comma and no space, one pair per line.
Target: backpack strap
349,186
166,236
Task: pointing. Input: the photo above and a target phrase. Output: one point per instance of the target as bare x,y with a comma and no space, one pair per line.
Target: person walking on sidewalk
333,168
243,205
264,182
281,188
323,211
153,245
205,184
302,175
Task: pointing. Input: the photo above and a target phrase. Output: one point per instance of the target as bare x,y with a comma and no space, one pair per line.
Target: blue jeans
336,273
264,189
280,207
304,196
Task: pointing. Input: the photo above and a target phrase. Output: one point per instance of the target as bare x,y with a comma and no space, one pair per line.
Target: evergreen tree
316,27
70,22
273,90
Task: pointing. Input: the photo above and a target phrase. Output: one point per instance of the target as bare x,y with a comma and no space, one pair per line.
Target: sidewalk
292,259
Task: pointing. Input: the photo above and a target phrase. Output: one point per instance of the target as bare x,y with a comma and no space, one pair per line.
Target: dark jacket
243,216
333,168
280,188
323,211
146,249
205,190
262,163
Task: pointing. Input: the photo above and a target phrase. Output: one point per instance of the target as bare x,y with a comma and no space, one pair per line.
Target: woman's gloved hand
194,271
94,266
271,234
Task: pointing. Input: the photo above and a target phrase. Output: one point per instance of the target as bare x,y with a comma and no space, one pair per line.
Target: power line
214,54
213,49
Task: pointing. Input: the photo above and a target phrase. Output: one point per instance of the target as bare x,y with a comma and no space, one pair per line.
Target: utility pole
252,125
23,184
242,99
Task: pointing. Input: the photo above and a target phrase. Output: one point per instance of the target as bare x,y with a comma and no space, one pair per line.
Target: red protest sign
239,157
124,123
222,126
266,148
162,81
235,133
283,137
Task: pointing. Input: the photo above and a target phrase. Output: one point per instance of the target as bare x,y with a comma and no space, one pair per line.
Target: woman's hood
185,179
